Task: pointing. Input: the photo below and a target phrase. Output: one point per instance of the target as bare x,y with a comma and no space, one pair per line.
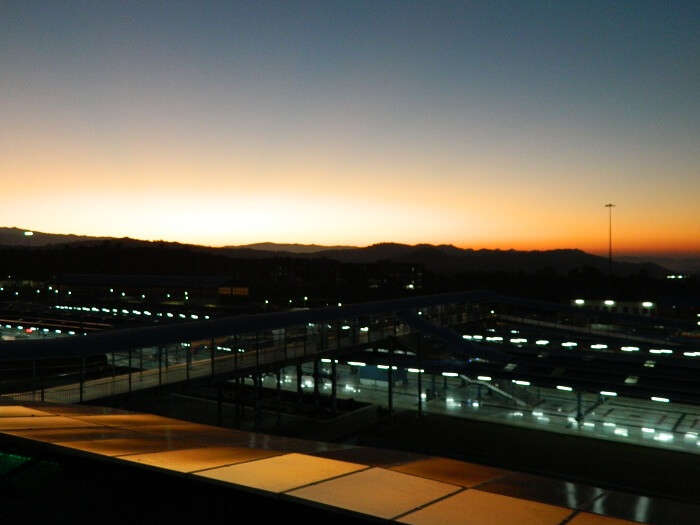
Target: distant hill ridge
16,237
290,248
443,258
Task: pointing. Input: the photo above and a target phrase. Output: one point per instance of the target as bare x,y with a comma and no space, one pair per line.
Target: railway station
472,358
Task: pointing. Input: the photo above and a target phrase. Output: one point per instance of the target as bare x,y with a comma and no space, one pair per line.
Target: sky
502,124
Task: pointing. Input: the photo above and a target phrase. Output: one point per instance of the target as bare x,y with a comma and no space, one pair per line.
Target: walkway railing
206,365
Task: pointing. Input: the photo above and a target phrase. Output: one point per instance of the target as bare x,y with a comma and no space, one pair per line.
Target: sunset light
190,138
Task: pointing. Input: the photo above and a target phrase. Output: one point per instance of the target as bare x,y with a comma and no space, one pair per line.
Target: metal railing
324,342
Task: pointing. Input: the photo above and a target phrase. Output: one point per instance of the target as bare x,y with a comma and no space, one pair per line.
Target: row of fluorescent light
124,311
610,302
565,388
519,382
42,330
572,344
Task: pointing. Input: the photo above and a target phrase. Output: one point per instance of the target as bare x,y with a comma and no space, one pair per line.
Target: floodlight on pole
610,206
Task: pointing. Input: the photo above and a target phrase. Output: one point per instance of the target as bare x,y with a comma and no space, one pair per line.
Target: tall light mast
610,206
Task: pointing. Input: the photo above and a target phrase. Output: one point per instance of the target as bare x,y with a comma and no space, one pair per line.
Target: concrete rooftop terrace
341,479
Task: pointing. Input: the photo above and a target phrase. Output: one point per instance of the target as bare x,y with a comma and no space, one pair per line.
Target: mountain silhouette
443,258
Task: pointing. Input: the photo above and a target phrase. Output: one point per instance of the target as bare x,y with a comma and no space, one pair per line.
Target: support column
579,408
420,392
33,379
316,393
82,377
41,380
212,355
420,376
257,351
299,390
334,386
237,402
129,369
284,342
258,382
390,382
160,365
321,345
279,393
219,406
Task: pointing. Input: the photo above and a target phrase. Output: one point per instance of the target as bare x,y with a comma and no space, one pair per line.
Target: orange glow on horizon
180,192
451,124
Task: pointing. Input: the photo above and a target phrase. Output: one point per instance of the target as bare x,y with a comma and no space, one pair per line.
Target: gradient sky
483,124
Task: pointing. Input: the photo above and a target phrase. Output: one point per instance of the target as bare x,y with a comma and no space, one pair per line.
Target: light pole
610,206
